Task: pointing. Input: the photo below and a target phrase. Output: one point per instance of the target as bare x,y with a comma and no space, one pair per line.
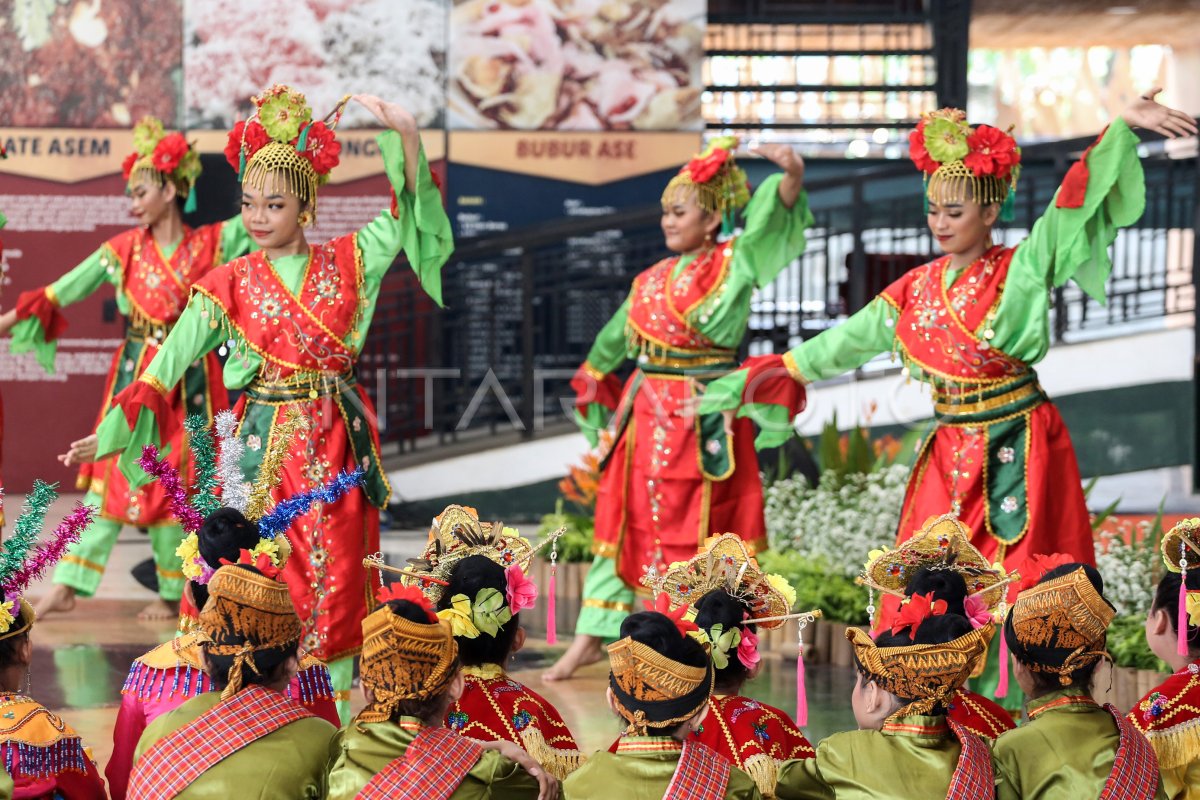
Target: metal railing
522,308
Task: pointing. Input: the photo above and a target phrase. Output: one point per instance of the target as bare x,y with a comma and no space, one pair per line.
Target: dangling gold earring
305,219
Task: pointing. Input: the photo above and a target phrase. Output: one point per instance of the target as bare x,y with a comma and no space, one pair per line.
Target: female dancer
974,322
668,481
152,267
297,315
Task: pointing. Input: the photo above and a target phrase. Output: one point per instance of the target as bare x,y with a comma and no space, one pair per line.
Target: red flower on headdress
703,168
386,594
262,563
169,152
255,136
916,610
127,165
993,152
1033,568
662,604
917,152
321,148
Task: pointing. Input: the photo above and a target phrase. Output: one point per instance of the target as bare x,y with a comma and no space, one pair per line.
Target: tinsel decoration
205,499
278,448
235,491
189,518
284,514
49,552
26,530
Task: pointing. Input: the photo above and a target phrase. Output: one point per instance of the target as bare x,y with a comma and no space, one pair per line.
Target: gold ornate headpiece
1182,542
942,543
926,674
24,614
724,563
404,660
246,611
652,690
457,533
963,163
159,156
1064,614
713,175
281,148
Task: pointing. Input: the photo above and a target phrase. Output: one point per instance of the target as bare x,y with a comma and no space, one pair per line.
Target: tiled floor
81,659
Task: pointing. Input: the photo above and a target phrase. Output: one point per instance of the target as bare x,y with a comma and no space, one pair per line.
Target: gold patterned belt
687,362
302,386
151,332
993,403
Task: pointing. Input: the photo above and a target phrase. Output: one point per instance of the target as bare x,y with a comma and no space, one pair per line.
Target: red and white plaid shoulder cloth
974,777
171,765
1134,773
432,767
700,775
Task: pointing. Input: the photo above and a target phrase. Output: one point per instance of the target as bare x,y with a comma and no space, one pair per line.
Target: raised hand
82,451
1146,113
783,156
392,115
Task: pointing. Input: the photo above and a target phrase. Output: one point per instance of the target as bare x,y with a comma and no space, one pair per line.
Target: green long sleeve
848,345
774,236
421,229
608,350
1071,244
89,275
235,240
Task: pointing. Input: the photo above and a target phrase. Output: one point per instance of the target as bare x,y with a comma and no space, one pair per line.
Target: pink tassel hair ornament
801,691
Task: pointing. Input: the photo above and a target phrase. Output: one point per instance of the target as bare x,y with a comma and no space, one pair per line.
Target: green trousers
83,565
341,674
607,601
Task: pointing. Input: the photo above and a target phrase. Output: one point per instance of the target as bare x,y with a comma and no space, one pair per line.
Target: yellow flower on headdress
946,140
1193,607
269,548
871,556
7,618
780,584
459,617
189,552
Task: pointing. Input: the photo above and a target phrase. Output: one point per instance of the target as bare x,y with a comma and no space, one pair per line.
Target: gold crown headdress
1181,552
724,563
925,674
247,611
719,184
942,543
159,156
1062,614
962,163
404,660
280,149
455,534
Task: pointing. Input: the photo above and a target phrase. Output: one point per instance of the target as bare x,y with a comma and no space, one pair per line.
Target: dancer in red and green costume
973,323
152,268
296,316
670,481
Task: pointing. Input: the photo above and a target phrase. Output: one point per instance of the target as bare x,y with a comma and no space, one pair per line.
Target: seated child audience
397,746
1070,746
249,739
660,684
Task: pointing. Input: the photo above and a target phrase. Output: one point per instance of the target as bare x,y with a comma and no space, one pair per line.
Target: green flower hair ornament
487,613
723,643
283,113
946,139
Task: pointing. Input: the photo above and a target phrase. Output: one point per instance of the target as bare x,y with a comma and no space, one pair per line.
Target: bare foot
583,651
160,609
60,599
